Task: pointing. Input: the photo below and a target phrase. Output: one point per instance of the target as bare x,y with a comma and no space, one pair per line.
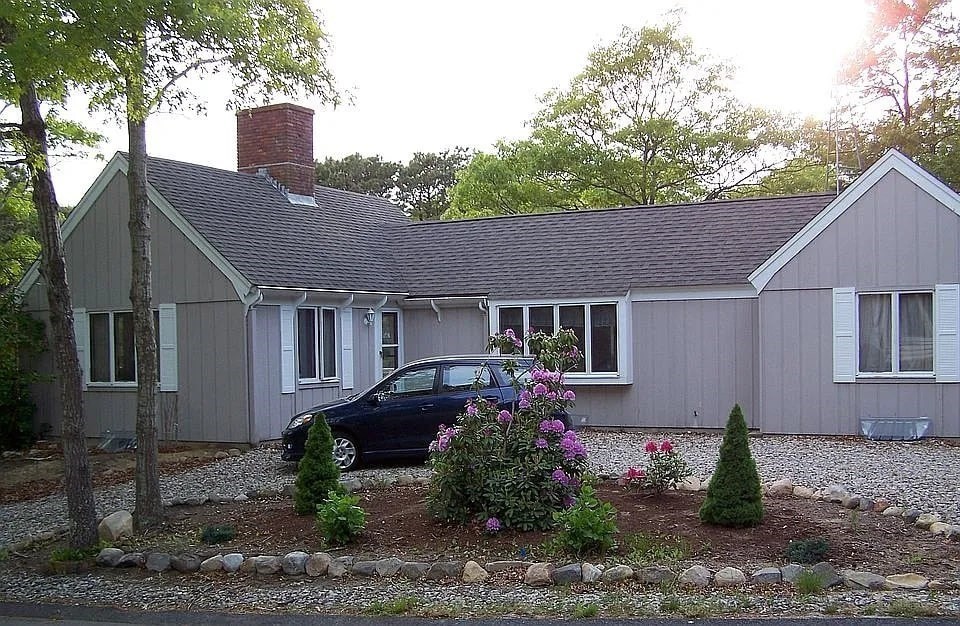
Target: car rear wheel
346,452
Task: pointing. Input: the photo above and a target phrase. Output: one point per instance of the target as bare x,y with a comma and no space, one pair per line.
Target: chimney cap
276,107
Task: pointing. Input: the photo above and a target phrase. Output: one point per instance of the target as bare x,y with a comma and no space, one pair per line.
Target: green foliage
734,497
809,582
339,519
665,469
644,549
317,474
587,527
397,606
512,468
73,554
902,607
20,337
424,182
219,533
367,175
807,551
585,611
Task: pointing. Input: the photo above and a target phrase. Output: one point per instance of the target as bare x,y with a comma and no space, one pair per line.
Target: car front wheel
346,453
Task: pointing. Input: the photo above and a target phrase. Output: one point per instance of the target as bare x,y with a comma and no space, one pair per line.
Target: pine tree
318,474
734,496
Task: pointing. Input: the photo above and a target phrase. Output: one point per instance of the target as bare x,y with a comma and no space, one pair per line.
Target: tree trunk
76,464
148,510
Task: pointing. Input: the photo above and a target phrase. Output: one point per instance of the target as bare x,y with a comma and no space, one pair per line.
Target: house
273,295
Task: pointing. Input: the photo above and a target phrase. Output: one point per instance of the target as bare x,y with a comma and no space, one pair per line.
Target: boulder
249,565
131,559
906,581
405,480
835,493
925,520
865,504
827,574
221,454
568,574
539,575
317,564
617,573
158,561
767,576
213,564
655,575
910,516
109,557
289,491
503,566
953,532
730,577
782,487
803,492
186,563
115,526
294,563
338,567
690,483
351,484
791,572
234,452
881,504
695,576
850,502
892,511
388,567
474,573
590,573
232,562
267,564
364,568
445,569
414,570
939,528
241,498
862,580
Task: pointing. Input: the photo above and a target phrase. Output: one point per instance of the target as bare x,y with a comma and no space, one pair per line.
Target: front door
389,342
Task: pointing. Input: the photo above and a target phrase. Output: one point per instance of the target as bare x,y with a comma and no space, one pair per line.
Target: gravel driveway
925,475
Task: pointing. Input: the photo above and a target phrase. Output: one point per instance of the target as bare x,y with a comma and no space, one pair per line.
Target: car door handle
494,399
424,407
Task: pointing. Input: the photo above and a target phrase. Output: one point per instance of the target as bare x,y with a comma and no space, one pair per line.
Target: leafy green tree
423,184
20,336
317,474
18,228
649,120
369,175
734,497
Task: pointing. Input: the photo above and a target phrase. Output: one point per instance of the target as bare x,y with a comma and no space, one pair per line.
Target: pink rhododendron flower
666,446
510,334
504,417
569,395
571,446
551,395
539,389
551,426
568,501
493,525
651,447
471,409
524,403
560,476
541,443
524,395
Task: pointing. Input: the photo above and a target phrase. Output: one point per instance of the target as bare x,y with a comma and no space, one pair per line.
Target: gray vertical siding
461,330
894,237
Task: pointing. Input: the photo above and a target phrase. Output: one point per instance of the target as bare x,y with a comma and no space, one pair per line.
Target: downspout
252,299
482,305
348,302
300,300
436,309
379,305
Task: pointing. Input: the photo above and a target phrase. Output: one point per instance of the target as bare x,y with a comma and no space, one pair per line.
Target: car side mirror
375,398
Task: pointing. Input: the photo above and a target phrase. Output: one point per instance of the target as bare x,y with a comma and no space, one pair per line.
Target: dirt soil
38,472
399,525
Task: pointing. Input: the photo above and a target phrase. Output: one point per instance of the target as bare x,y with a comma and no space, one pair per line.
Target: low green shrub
807,551
809,582
397,606
72,554
585,611
734,498
218,533
340,519
665,469
317,473
587,527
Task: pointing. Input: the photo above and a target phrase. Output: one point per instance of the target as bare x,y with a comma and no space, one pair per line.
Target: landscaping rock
866,504
502,566
115,526
767,576
835,493
289,491
232,562
294,563
953,532
655,575
690,483
197,501
539,575
696,576
850,502
880,505
782,487
445,569
317,564
827,574
351,484
862,580
405,480
249,565
266,565
388,567
730,576
939,528
911,515
158,561
339,567
803,492
906,581
414,570
590,573
185,563
220,455
108,557
241,498
364,568
131,559
473,573
568,574
617,573
234,452
790,572
213,564
925,520
896,511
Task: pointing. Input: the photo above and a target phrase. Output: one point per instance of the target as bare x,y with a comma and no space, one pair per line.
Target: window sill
318,384
596,379
111,386
893,378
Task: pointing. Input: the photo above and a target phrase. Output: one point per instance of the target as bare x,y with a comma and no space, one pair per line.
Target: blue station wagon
399,416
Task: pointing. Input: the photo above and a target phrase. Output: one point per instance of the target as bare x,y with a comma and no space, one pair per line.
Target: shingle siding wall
895,237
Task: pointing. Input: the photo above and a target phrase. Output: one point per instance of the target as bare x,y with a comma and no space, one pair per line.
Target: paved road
62,615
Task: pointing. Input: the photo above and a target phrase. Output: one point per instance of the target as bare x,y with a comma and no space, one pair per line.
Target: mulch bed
399,525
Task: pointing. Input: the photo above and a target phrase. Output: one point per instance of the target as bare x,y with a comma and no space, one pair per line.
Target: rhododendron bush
512,468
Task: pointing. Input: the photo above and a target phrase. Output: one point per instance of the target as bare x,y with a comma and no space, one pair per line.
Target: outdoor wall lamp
368,317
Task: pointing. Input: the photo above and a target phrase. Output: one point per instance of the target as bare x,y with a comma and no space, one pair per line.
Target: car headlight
300,420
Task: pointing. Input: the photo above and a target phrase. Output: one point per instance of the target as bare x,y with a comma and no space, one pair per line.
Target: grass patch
397,606
585,611
671,604
218,534
809,583
910,608
72,554
697,610
644,549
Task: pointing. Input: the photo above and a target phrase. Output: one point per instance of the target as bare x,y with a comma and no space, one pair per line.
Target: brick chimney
279,139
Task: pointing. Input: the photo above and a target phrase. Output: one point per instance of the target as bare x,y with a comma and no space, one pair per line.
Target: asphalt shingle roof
345,242
602,252
356,242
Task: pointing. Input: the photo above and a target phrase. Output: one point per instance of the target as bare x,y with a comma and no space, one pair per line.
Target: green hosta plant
340,519
587,527
516,466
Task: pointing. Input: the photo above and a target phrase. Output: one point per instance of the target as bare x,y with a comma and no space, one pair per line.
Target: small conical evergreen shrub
734,496
318,474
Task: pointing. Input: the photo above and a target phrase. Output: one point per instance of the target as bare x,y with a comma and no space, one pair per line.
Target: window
113,354
418,382
595,326
389,341
466,377
316,344
895,333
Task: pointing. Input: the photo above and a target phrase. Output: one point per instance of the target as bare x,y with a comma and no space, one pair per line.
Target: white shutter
946,351
81,330
844,335
169,374
346,348
288,381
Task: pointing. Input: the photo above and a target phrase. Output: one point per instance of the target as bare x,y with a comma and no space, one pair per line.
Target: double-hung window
316,344
595,326
895,333
107,348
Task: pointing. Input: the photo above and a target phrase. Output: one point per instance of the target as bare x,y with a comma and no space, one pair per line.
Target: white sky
427,75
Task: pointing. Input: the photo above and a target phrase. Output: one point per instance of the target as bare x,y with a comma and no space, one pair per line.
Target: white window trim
378,333
624,375
87,357
317,342
894,335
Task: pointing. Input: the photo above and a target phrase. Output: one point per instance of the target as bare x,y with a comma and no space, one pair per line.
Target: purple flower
569,395
524,395
561,477
541,443
539,389
551,426
510,335
493,525
524,403
471,409
571,446
551,395
505,417
568,501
